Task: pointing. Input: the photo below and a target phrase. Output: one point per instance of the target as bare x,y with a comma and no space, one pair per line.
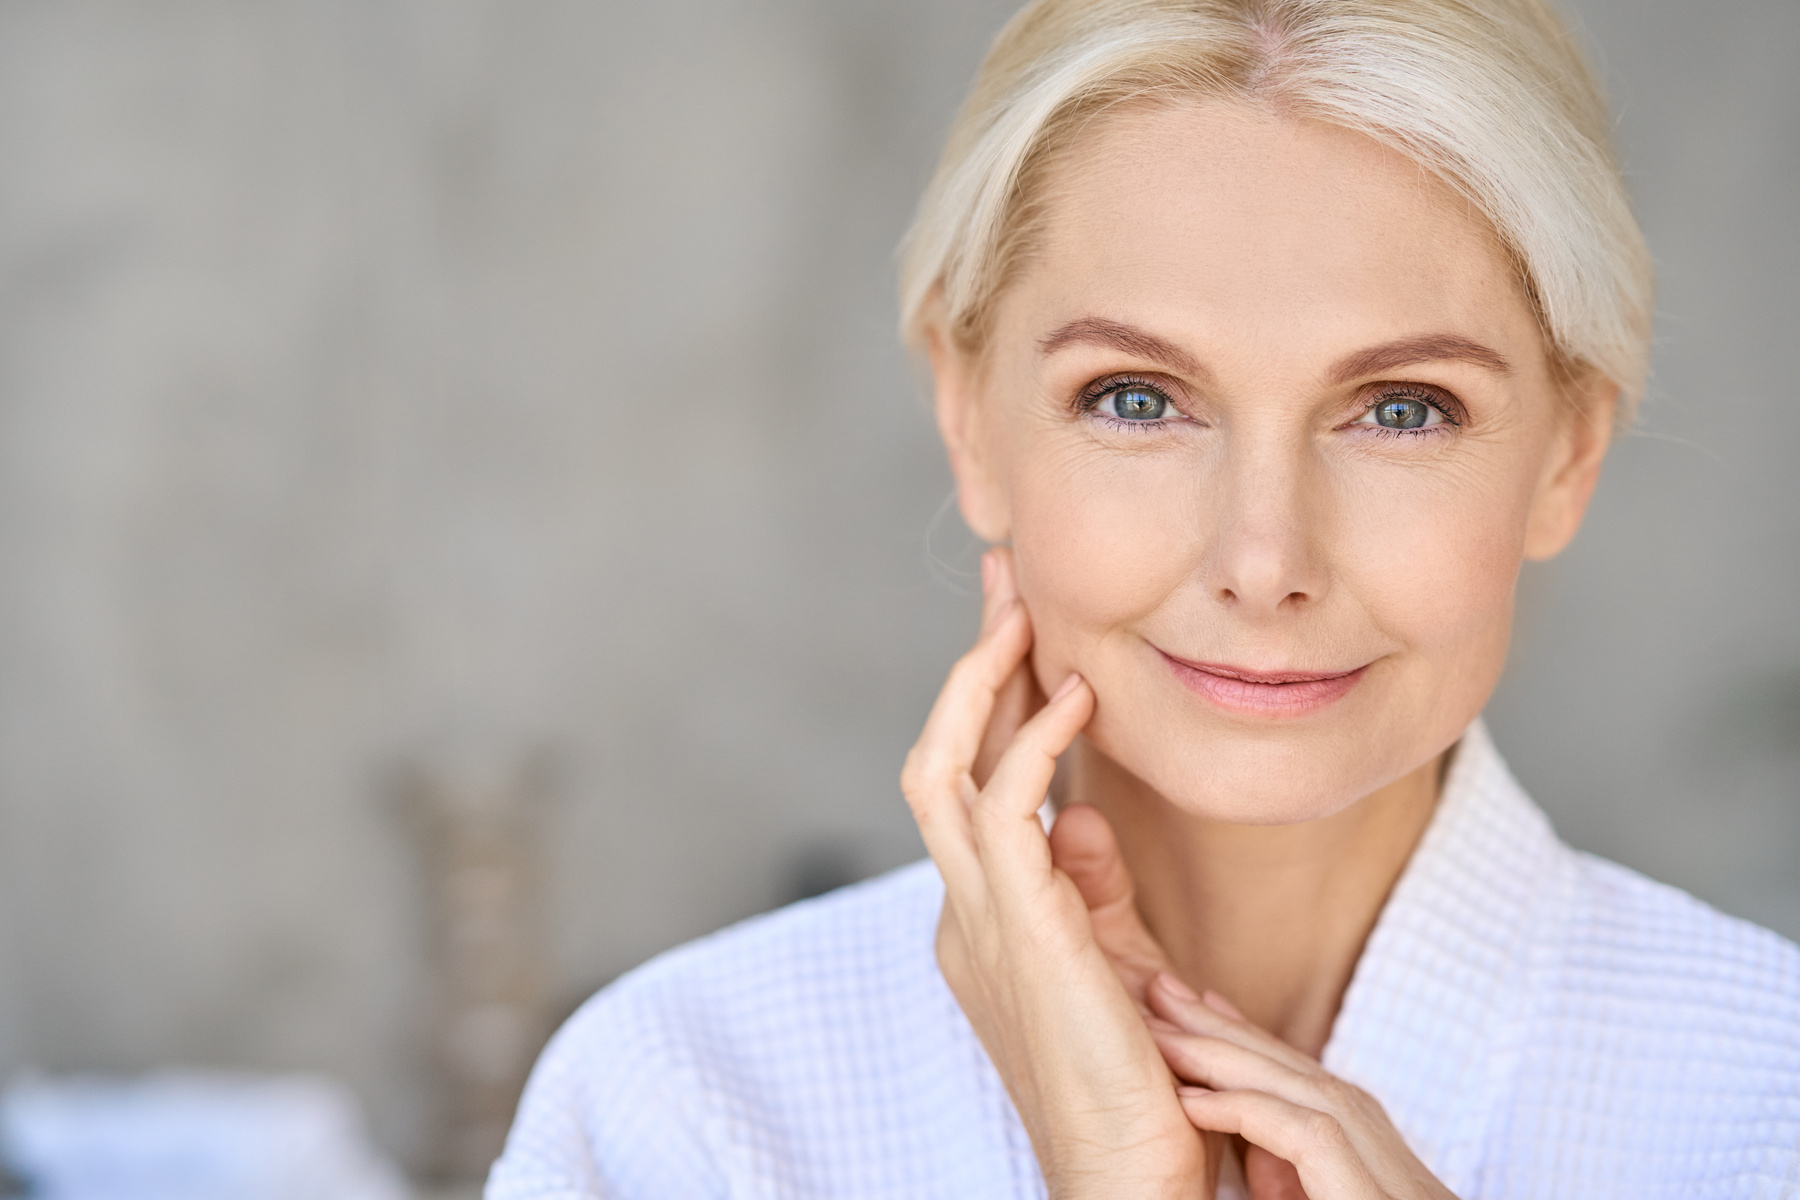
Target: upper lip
1251,675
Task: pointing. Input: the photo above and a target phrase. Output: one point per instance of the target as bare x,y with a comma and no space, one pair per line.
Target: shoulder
1540,1022
796,985
1666,1051
845,945
746,1059
1667,966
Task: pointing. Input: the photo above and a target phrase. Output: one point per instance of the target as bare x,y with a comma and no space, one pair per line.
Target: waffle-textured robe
1537,1022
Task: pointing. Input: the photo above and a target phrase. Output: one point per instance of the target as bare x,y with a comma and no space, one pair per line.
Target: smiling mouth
1263,693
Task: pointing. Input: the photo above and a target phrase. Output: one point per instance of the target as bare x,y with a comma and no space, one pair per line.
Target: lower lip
1295,699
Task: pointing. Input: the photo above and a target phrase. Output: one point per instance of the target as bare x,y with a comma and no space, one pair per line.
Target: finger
1014,704
1221,1065
935,777
1083,847
1019,697
1008,835
998,583
1219,1003
1224,1066
1088,853
1022,776
953,730
1174,1001
1317,1146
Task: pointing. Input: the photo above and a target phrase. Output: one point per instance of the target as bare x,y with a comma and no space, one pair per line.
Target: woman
1269,338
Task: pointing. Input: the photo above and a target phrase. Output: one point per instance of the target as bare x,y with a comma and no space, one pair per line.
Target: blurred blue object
191,1136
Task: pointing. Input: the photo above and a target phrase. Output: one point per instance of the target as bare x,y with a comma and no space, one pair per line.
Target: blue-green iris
1138,404
1402,414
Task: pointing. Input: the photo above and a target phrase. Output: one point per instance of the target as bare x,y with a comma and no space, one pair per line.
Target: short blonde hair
1492,96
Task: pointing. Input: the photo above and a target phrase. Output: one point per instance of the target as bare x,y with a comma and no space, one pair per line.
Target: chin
1268,773
1261,780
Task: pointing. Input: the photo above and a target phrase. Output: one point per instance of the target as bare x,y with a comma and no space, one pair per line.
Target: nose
1265,559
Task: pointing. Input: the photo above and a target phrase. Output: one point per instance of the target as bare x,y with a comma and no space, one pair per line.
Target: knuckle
913,777
986,816
1032,744
925,769
1028,739
971,669
1322,1133
1334,1091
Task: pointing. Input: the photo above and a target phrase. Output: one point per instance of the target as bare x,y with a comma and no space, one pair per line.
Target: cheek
1099,543
1438,578
1438,587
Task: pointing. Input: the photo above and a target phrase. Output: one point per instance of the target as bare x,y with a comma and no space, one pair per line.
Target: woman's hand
1016,942
1311,1135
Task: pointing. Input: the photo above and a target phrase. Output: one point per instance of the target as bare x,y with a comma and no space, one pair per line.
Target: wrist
1142,1175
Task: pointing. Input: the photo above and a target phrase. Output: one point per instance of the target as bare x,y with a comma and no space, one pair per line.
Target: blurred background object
476,815
389,376
187,1136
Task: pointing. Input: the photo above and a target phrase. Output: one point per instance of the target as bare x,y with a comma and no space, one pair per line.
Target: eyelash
1100,389
1445,406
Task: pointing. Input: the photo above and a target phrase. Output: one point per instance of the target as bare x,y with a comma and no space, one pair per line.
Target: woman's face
1270,425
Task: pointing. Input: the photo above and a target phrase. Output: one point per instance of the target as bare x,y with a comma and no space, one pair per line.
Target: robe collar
1445,982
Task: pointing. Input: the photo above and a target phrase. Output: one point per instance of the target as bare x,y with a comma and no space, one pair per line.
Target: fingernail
1178,989
1068,685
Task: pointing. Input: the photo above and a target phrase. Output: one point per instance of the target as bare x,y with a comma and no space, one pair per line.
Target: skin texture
1268,281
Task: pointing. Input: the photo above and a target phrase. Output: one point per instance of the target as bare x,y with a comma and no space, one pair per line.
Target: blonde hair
1492,96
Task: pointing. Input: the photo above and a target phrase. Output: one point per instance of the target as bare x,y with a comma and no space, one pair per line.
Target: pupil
1402,414
1138,406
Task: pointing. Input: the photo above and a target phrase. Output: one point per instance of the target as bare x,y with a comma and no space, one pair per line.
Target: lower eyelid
1133,426
1437,430
1443,419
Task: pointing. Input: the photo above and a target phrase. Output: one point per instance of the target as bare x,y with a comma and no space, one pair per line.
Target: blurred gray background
396,385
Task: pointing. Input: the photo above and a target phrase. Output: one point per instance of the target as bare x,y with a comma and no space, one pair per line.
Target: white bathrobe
1537,1022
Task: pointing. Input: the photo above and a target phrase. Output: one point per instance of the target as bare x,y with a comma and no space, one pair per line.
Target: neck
1272,917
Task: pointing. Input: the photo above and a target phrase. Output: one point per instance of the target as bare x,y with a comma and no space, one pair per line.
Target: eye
1405,411
1134,403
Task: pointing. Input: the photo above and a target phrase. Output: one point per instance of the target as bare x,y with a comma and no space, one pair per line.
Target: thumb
1082,846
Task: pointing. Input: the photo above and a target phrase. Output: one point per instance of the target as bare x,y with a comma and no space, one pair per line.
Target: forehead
1217,219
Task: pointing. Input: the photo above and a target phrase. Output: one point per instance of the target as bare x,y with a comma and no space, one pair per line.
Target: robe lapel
1437,1006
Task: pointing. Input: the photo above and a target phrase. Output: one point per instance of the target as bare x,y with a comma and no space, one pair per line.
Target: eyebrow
1129,339
1097,331
1434,347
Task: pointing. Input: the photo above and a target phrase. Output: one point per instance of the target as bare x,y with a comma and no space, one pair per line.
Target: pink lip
1263,693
